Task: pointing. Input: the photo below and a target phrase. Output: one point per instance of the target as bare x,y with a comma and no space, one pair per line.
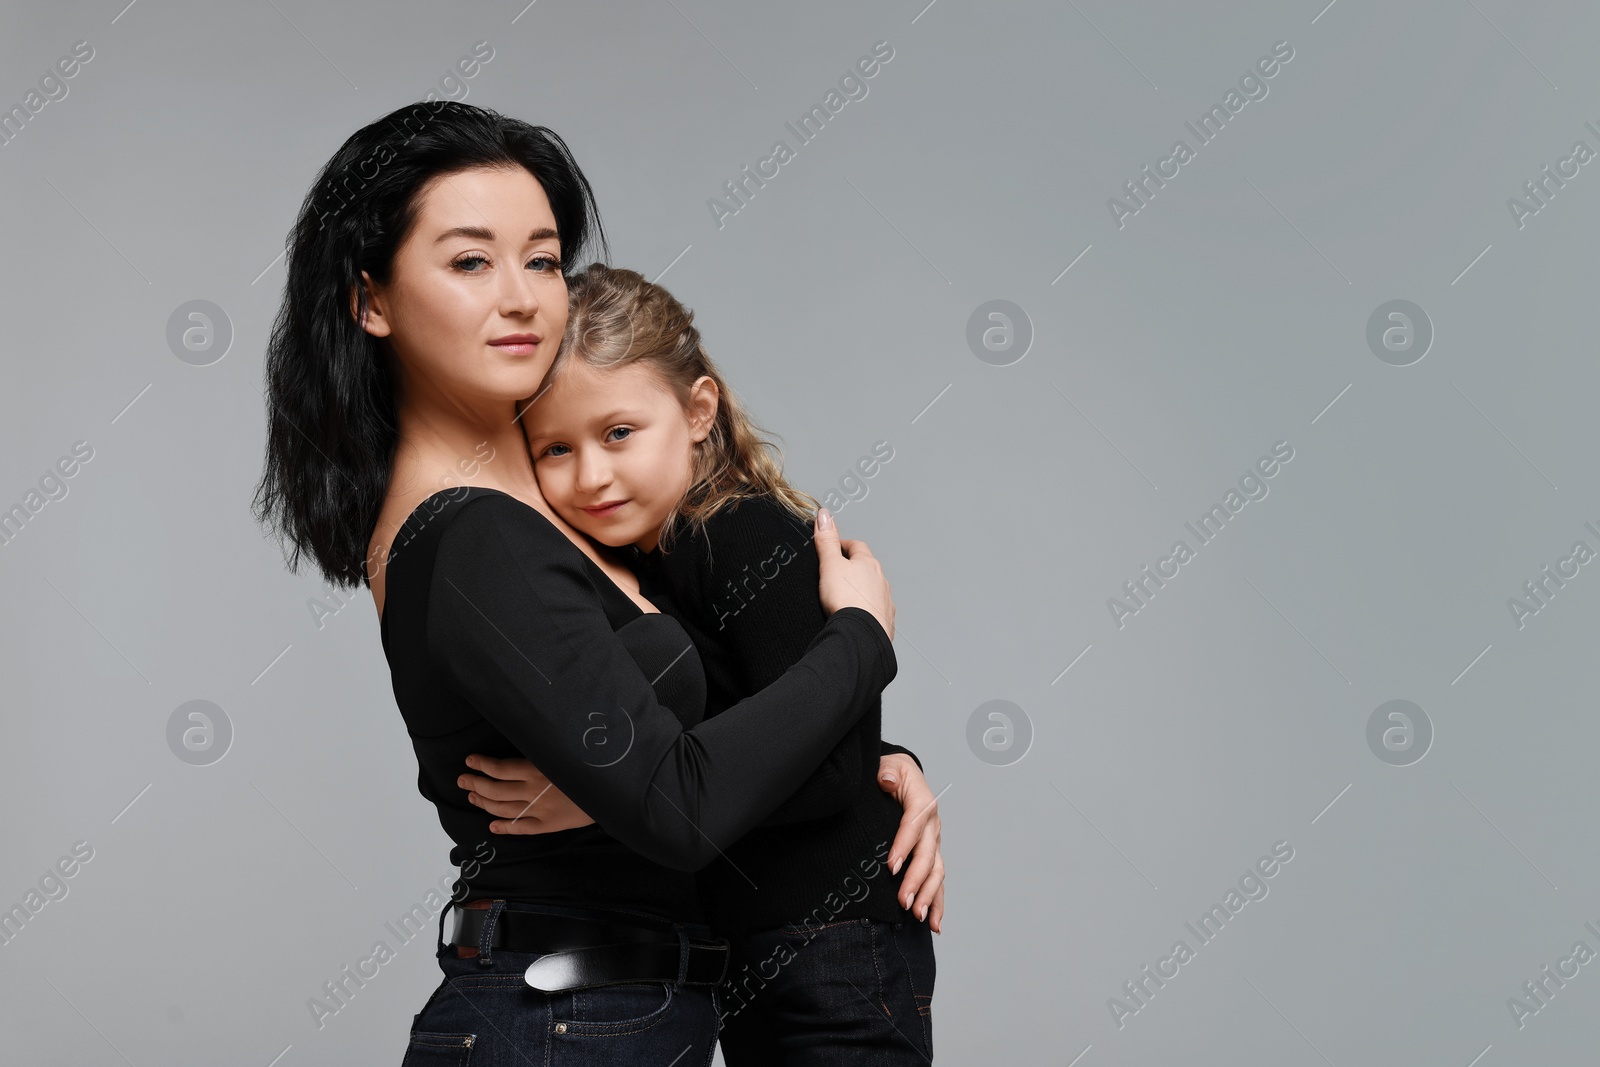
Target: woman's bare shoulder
398,506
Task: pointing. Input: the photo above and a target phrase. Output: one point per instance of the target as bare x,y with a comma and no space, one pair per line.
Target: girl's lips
608,509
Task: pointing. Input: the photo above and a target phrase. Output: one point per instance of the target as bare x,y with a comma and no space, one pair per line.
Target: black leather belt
575,952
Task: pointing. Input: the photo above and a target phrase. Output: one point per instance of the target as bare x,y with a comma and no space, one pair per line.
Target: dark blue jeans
855,991
483,1014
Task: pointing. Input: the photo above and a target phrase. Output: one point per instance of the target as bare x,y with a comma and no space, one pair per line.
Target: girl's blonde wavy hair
615,318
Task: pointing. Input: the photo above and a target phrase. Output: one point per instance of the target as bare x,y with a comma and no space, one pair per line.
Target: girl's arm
922,885
518,624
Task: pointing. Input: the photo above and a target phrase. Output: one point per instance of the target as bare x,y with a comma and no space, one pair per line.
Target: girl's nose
593,473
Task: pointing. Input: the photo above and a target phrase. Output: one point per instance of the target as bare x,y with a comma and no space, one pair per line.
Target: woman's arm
524,801
757,548
519,625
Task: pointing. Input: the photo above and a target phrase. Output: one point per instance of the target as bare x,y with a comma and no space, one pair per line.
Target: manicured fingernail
889,778
924,914
894,865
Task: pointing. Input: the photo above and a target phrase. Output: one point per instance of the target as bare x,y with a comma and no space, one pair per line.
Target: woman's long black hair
331,424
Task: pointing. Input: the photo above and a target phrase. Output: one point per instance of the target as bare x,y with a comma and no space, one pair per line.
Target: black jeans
484,1015
855,991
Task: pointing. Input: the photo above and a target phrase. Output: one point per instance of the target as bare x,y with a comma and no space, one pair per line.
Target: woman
425,299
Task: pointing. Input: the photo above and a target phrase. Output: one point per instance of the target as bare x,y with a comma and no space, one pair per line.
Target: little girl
638,442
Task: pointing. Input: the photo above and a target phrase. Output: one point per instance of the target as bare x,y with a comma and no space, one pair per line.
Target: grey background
1227,315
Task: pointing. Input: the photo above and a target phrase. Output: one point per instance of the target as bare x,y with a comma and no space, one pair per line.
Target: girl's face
613,448
476,303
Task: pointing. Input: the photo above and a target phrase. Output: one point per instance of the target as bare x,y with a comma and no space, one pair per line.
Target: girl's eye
621,429
546,263
551,451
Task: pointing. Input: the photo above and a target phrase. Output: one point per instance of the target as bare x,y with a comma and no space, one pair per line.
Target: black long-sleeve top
746,592
504,638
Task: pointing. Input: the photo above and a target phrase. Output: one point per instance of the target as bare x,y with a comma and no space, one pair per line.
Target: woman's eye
541,264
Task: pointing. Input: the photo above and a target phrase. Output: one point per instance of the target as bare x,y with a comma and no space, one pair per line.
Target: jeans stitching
716,1013
872,931
440,1039
622,1027
486,934
487,981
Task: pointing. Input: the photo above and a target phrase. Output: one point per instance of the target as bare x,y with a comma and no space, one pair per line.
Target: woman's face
481,265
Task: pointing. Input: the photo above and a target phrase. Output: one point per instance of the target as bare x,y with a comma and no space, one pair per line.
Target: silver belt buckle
554,972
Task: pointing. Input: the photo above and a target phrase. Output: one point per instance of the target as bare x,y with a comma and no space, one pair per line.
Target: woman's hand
851,576
922,888
523,798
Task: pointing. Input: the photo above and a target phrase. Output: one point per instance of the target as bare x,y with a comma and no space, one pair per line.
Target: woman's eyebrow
483,233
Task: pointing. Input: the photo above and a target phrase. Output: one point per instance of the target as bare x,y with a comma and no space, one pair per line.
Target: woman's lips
517,348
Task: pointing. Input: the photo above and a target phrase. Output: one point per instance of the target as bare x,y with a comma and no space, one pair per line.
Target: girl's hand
851,576
523,798
922,888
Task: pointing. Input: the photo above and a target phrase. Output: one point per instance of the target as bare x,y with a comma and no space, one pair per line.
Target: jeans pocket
438,1050
609,1010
